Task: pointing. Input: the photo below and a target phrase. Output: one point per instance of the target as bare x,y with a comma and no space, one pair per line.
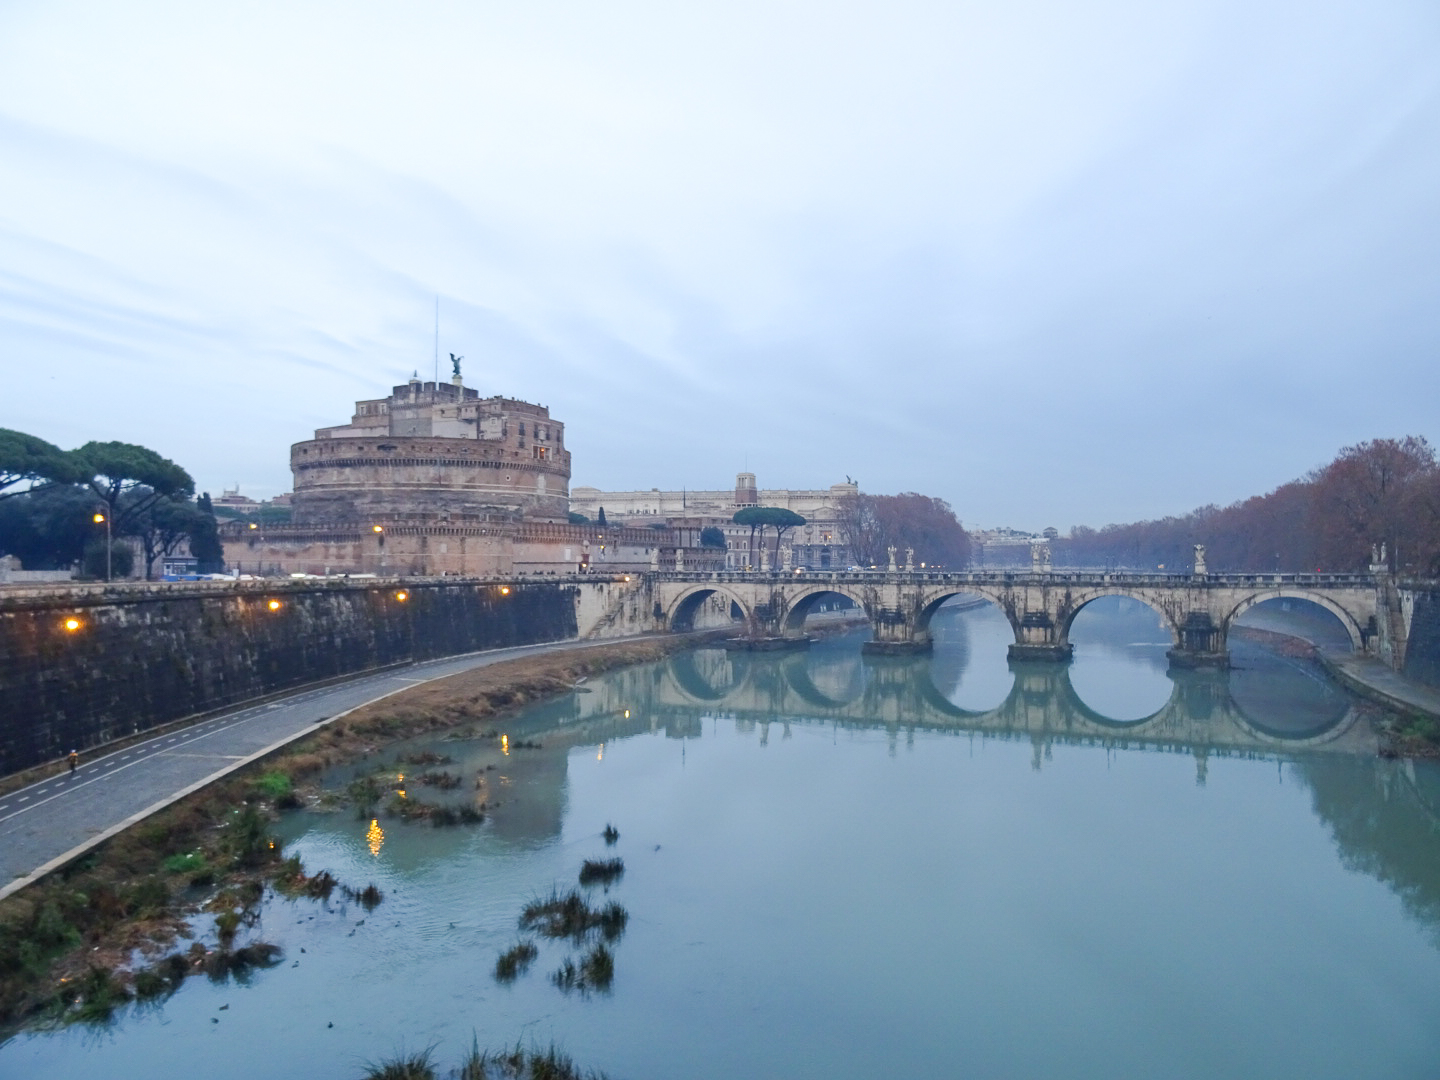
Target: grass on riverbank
127,902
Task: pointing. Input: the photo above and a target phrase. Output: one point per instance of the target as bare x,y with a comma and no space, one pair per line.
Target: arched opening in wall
705,609
971,638
1292,617
1120,670
836,619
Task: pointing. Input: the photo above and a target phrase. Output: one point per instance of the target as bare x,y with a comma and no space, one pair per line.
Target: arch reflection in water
1200,709
1120,669
971,637
1287,697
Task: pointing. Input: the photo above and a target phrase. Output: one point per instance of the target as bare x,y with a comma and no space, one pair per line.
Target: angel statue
455,363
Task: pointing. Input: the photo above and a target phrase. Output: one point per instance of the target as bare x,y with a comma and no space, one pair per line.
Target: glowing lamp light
402,596
99,519
274,605
627,714
253,525
73,624
504,590
505,744
379,528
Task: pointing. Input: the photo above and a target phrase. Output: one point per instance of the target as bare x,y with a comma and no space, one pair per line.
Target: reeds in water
595,971
417,1066
522,1064
570,916
601,871
515,961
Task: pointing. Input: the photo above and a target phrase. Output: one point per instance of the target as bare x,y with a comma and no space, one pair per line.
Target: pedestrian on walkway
74,760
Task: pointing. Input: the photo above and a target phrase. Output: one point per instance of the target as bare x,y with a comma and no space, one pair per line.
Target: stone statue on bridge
909,560
1200,570
892,549
1040,558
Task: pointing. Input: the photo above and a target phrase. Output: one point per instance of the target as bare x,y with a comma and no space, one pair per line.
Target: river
838,866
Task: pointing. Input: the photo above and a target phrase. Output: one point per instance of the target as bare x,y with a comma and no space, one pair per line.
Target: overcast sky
1058,263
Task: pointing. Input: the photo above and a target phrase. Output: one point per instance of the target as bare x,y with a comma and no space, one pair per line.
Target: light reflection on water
845,866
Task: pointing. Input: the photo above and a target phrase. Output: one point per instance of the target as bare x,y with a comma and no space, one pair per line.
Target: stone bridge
1197,609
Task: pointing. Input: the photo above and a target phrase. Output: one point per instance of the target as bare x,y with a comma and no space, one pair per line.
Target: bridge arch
1167,618
683,609
932,600
799,604
1347,620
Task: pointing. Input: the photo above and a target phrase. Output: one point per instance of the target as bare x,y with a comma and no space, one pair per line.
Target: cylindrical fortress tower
434,453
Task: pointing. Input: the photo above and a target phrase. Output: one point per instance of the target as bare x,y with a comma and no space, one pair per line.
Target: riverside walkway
52,821
1368,677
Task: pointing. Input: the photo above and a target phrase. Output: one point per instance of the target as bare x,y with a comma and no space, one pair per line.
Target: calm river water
837,867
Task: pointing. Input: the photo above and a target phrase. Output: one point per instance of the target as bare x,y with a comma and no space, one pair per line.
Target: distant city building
435,479
819,543
231,499
1002,547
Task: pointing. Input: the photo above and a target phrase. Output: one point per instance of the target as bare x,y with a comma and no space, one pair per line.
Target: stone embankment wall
85,665
1420,608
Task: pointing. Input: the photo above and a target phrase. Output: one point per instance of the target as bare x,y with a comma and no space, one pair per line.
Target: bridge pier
1202,643
894,633
880,647
1040,639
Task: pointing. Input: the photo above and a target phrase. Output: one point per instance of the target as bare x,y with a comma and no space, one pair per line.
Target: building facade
818,544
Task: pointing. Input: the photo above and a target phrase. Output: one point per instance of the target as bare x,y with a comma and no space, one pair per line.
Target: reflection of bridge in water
898,692
1384,815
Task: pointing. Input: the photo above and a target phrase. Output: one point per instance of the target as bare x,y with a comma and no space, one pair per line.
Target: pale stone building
818,544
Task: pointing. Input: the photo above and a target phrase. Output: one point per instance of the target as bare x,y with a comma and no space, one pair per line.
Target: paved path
45,825
1378,681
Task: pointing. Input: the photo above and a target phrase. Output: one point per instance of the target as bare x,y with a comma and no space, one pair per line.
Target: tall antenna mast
437,339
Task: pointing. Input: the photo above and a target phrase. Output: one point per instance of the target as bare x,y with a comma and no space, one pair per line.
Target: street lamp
105,519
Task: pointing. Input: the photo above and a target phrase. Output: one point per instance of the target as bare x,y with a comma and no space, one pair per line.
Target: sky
1056,263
